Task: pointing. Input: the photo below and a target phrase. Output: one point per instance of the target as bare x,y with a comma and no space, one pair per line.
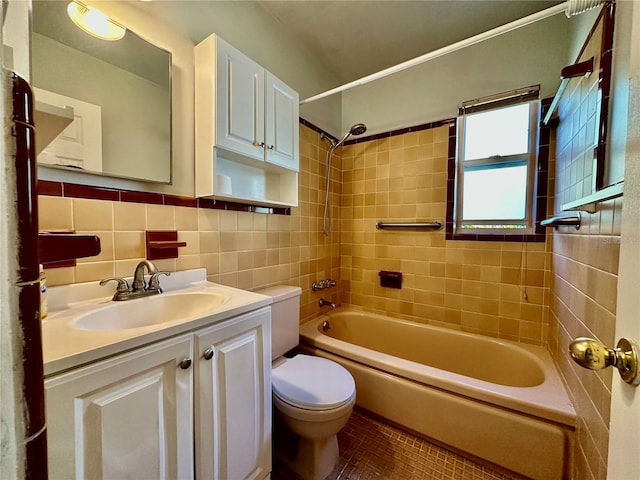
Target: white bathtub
496,400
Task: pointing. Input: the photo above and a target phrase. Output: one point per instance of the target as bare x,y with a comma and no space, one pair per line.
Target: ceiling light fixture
94,22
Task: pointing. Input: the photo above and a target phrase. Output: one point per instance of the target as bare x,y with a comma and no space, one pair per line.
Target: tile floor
372,449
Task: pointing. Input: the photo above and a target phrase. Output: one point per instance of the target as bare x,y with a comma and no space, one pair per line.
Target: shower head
357,129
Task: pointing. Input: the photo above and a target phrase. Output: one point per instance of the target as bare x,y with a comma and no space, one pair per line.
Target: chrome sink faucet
139,288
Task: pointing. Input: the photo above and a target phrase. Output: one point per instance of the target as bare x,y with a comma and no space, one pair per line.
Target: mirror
120,92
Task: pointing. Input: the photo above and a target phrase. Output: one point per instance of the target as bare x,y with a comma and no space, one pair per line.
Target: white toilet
313,396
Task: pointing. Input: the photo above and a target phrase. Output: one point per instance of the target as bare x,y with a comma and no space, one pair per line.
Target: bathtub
496,400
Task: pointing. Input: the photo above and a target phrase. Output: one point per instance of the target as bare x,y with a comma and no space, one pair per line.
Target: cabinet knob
261,144
208,353
185,363
271,147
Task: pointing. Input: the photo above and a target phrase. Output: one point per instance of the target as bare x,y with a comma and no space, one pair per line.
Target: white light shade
94,22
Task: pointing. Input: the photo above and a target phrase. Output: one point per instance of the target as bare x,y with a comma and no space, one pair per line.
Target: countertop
66,347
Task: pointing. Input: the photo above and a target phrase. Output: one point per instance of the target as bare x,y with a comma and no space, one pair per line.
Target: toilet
313,396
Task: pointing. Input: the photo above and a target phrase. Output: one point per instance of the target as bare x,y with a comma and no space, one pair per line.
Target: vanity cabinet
130,416
247,136
136,415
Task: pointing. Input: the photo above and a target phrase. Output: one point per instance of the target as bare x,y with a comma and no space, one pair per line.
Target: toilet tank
285,318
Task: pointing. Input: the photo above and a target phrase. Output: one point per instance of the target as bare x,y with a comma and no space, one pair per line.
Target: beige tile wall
583,303
585,268
245,250
498,289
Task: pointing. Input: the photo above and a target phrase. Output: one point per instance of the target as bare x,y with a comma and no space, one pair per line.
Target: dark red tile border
141,197
73,190
404,130
315,128
178,201
88,191
211,204
52,189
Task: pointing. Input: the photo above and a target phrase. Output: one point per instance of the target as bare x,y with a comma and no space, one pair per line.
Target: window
496,164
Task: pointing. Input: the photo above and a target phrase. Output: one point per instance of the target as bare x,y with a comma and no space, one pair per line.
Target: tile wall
240,249
476,286
585,261
583,304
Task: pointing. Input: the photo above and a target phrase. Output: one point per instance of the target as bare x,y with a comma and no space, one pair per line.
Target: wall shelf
590,202
50,121
60,249
162,244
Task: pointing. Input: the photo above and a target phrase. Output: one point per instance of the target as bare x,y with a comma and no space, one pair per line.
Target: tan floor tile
372,449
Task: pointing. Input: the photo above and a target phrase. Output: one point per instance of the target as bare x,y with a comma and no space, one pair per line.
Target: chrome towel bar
421,225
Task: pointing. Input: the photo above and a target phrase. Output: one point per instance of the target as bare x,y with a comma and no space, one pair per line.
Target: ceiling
353,38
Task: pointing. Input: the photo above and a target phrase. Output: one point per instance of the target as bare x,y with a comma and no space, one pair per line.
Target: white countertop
66,347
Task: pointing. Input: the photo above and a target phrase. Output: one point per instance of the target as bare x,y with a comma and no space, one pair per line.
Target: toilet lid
312,383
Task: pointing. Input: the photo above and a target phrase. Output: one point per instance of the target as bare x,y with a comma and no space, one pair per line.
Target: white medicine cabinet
247,138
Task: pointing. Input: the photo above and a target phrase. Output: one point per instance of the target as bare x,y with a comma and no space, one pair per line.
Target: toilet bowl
312,396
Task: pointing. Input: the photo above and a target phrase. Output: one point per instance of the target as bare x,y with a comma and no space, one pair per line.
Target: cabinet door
240,102
80,144
128,417
233,398
282,131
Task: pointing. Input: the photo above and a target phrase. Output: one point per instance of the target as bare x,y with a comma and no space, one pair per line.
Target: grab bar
557,221
426,225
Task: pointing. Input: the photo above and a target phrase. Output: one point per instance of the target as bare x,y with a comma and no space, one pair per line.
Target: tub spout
323,303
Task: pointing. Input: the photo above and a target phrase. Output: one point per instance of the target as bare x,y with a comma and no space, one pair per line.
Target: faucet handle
122,290
154,281
123,285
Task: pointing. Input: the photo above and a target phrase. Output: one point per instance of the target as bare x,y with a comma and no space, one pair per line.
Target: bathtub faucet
324,303
322,284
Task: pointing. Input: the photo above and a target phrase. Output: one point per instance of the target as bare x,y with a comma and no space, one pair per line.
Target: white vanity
177,385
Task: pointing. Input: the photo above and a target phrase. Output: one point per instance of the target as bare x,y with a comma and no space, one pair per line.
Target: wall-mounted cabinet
247,145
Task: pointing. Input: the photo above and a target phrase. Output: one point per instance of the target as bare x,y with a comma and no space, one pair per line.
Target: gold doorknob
592,354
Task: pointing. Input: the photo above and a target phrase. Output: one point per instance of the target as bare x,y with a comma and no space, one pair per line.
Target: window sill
498,237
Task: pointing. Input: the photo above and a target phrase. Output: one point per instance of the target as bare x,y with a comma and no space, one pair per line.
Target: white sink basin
146,311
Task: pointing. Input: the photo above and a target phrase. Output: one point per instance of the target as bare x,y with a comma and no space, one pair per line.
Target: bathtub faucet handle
322,284
326,303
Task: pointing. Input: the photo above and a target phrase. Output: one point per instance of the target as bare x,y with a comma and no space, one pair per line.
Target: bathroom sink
147,311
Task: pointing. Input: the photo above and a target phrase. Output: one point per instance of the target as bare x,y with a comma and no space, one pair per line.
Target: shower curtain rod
541,15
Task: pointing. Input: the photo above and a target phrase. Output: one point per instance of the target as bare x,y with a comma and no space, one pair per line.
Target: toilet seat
312,383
